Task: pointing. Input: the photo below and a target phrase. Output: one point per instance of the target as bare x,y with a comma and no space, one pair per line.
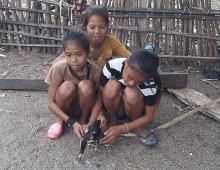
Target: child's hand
111,134
85,128
89,124
78,130
103,121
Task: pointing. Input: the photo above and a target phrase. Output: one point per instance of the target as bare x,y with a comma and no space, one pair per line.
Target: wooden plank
55,3
186,115
163,11
194,99
153,15
29,35
197,58
169,80
29,10
173,80
184,34
23,84
33,45
36,24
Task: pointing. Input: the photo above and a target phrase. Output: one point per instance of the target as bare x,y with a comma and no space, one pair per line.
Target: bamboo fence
178,28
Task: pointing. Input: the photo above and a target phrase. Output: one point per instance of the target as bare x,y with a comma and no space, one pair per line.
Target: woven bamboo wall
175,27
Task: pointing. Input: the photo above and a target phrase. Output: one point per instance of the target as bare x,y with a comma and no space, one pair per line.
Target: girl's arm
114,132
150,112
53,106
78,129
97,109
148,117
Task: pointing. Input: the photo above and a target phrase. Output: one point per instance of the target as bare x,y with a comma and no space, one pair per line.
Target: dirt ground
192,144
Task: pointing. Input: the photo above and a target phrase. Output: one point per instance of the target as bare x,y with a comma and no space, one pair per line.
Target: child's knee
112,89
132,96
66,89
86,87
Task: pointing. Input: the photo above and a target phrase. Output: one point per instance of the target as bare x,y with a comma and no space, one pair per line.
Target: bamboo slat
33,45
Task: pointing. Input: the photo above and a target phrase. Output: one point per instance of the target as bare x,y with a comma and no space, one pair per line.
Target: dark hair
145,62
95,10
79,36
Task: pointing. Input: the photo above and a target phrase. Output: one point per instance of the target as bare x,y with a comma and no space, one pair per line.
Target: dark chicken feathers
92,136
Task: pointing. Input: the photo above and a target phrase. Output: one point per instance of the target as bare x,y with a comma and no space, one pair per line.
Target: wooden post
16,28
10,37
27,28
35,19
141,24
157,24
3,37
48,31
21,18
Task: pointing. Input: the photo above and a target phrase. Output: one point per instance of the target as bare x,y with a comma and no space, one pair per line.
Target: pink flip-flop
55,131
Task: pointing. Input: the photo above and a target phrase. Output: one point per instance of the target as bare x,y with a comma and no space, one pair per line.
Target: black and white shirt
113,70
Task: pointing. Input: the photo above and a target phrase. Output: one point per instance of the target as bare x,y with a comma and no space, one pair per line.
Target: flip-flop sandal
148,139
55,131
